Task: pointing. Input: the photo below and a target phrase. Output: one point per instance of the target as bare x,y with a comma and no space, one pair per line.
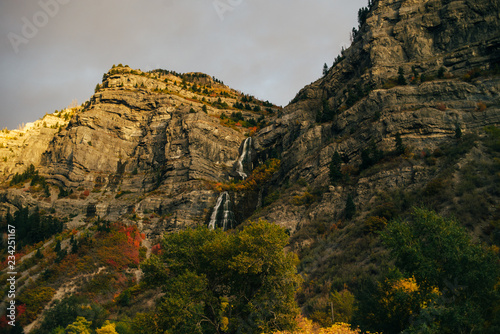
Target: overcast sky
55,51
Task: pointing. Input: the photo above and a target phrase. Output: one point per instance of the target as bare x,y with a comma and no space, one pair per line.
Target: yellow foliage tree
80,326
108,328
306,326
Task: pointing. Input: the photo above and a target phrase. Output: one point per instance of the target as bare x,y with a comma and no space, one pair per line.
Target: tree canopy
442,283
223,282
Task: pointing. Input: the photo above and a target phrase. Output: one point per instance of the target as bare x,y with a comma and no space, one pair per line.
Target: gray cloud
269,49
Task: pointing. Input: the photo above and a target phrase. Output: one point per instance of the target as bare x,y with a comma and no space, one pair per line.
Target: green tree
17,329
325,69
66,311
455,277
335,172
400,148
223,282
370,156
108,328
458,132
389,304
57,248
80,326
441,72
350,208
342,306
401,76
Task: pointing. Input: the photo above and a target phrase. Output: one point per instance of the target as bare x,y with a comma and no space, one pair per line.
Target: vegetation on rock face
241,282
258,177
104,256
32,228
31,174
335,171
352,254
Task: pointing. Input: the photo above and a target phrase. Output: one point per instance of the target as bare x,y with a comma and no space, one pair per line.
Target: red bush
156,250
441,106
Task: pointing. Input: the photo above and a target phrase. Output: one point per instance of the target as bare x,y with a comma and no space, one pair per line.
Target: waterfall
222,216
245,155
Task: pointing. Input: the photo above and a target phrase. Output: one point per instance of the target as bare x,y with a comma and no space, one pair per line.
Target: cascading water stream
245,156
213,218
222,216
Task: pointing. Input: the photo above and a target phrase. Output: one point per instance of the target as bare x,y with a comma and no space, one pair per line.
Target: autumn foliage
259,176
34,301
306,326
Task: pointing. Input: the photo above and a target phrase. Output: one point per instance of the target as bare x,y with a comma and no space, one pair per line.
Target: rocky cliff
407,115
144,143
420,70
411,109
159,142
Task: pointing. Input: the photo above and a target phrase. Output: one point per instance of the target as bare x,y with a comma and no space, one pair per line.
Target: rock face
421,70
147,142
24,146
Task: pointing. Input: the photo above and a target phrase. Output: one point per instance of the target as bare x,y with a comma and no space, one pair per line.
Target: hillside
408,116
412,109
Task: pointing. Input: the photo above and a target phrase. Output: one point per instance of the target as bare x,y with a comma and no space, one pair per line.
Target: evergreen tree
74,245
441,72
370,156
362,15
350,208
400,148
401,76
335,172
458,132
325,69
17,329
57,248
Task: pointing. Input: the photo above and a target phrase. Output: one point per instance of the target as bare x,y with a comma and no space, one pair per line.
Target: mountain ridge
407,116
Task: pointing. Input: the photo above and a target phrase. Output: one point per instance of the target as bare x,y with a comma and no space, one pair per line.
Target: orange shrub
156,250
441,107
259,175
481,106
118,249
